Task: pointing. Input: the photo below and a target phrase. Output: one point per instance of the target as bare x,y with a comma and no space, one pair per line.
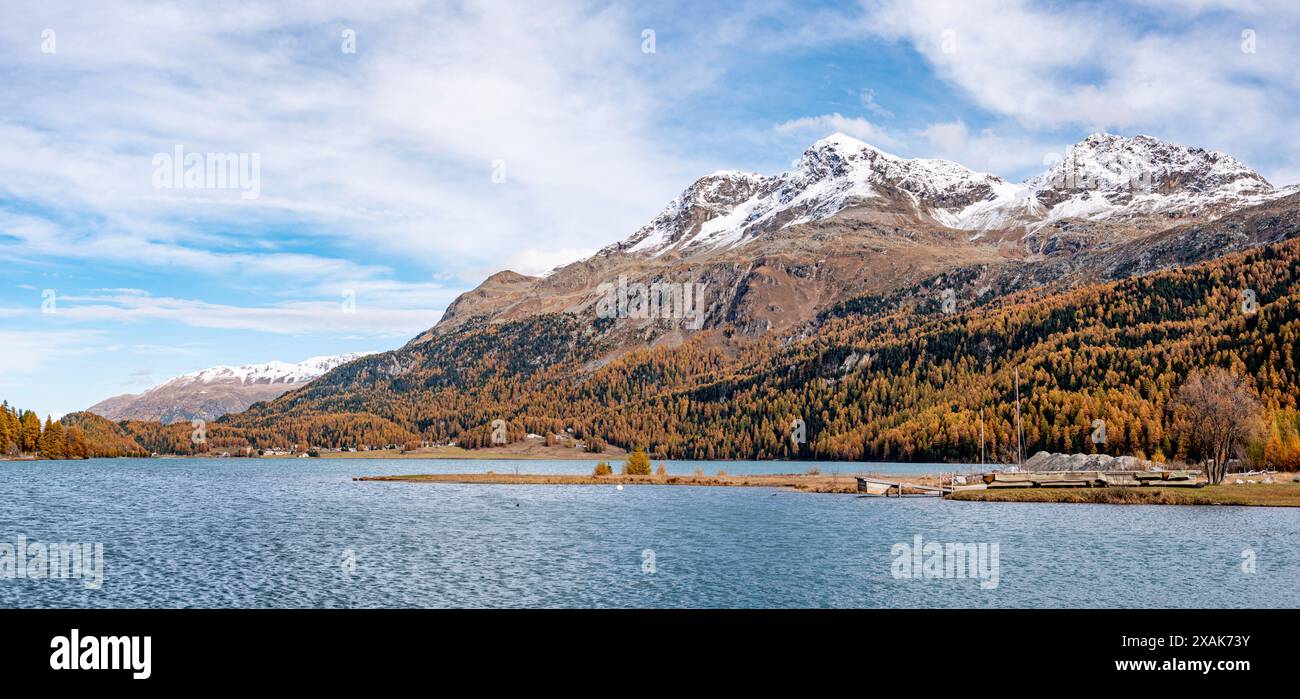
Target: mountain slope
846,292
211,393
882,377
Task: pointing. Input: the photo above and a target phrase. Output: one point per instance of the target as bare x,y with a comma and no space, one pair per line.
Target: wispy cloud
986,150
867,97
354,312
515,119
27,352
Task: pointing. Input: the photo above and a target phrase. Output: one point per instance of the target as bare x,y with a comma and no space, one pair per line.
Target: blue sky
460,139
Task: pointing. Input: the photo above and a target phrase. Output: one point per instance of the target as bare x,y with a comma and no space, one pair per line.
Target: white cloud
815,127
28,351
1097,68
536,261
350,312
389,150
985,150
867,97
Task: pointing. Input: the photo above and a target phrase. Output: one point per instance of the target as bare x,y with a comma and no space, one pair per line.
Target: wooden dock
871,485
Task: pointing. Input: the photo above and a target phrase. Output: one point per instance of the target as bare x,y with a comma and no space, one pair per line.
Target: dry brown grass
1271,495
803,482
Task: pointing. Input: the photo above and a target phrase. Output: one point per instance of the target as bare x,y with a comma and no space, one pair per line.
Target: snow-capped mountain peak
843,141
844,146
268,372
836,172
1104,176
1109,177
934,180
707,198
213,392
1115,165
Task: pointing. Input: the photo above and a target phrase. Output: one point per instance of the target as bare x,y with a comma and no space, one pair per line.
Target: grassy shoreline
803,482
1256,495
1253,495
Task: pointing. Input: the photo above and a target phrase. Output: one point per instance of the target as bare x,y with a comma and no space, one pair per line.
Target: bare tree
1215,411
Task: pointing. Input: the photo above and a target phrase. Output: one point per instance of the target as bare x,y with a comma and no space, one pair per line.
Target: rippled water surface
301,533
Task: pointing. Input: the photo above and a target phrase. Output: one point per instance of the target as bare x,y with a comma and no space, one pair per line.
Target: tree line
74,436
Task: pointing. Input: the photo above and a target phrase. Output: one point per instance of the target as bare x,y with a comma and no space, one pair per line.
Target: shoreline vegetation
818,483
637,470
1248,495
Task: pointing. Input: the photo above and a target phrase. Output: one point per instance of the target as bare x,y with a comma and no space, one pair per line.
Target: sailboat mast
1020,457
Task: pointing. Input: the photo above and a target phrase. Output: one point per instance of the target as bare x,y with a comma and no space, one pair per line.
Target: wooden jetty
880,486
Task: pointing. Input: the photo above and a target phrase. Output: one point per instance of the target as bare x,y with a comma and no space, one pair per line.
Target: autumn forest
882,378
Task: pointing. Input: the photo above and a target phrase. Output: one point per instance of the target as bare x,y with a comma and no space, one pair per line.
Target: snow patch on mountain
707,198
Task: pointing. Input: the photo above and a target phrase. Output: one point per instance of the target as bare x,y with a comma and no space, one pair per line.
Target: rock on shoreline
1044,461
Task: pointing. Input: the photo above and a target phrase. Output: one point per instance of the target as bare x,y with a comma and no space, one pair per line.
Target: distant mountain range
211,393
886,302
